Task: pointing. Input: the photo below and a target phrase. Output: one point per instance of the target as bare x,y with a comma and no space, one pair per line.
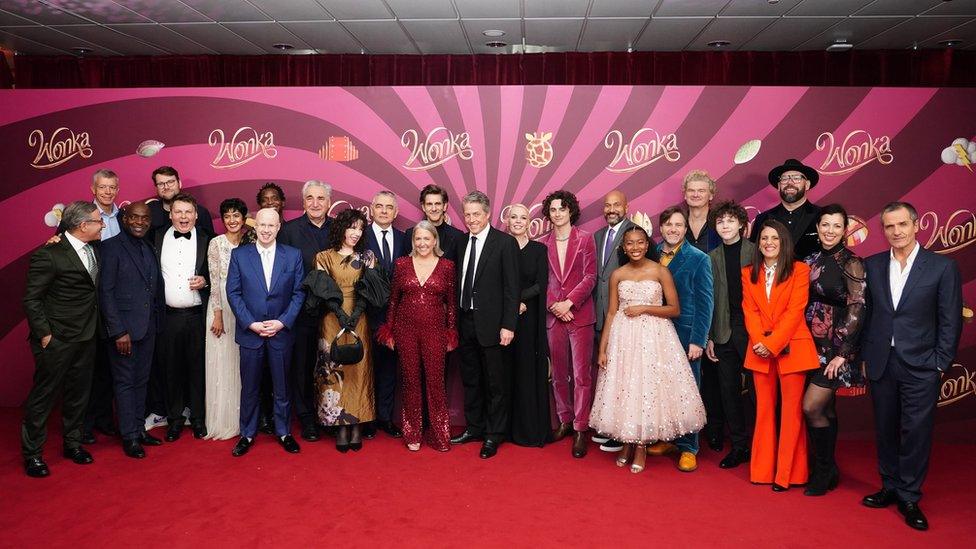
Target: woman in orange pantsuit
774,297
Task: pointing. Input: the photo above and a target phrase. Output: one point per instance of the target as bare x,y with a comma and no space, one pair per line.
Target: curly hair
345,220
568,200
733,209
270,185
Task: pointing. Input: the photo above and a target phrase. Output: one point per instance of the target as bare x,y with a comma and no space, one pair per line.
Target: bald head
267,223
136,219
614,207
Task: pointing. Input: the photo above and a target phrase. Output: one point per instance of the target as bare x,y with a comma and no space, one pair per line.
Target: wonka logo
244,146
438,146
958,231
957,383
857,150
644,148
63,145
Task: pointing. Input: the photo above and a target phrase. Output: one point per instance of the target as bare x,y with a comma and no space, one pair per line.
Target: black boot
817,485
833,471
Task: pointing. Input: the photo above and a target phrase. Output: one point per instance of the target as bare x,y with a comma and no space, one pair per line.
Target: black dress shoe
465,438
562,431
173,433
243,445
88,437
716,443
913,515
35,467
579,444
78,455
288,443
880,499
778,488
310,432
369,431
199,431
389,428
265,425
735,458
149,440
489,449
133,449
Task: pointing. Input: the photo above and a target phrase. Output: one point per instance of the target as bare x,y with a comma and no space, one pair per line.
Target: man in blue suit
130,290
388,244
264,291
911,335
692,272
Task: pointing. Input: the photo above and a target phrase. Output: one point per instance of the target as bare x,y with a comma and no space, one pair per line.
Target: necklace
564,239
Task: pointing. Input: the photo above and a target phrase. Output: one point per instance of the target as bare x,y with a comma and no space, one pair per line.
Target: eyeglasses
796,178
99,221
168,183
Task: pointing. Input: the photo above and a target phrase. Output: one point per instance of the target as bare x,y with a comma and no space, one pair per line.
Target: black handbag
346,353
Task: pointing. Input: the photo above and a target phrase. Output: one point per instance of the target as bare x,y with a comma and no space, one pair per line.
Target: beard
800,193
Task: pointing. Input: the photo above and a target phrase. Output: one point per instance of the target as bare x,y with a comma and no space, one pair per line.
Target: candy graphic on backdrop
962,152
857,231
339,149
149,148
747,151
538,151
53,217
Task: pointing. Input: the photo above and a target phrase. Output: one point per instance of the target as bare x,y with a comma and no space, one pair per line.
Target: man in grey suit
607,241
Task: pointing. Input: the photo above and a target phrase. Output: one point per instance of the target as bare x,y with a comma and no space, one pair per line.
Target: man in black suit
793,180
388,244
433,202
61,305
130,291
310,234
182,253
911,335
488,277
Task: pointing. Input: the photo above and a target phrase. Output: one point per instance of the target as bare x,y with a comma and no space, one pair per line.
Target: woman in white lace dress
223,355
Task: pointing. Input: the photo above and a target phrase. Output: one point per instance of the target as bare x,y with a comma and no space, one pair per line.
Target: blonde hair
698,175
430,228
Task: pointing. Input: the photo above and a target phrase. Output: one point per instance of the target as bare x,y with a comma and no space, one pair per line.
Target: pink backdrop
872,145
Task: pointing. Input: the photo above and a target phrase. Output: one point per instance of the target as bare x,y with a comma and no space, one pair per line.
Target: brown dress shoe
562,431
661,448
579,444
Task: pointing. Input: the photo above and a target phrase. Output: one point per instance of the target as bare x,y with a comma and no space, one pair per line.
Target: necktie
178,234
466,297
387,260
92,267
608,246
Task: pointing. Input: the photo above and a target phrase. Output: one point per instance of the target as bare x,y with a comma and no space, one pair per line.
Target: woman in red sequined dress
421,327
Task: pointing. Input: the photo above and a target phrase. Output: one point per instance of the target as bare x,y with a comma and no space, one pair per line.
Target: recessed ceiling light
951,43
493,33
81,50
719,43
496,44
283,47
773,1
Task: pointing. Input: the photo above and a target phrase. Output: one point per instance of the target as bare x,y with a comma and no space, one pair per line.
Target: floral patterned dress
345,392
835,315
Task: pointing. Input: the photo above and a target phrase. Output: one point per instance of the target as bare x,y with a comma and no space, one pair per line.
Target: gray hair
316,183
477,197
77,213
390,194
897,205
104,173
430,228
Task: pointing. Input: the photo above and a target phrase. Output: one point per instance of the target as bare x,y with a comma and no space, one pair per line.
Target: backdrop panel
872,145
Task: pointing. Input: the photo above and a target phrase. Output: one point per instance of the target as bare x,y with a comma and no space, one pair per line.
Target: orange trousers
784,461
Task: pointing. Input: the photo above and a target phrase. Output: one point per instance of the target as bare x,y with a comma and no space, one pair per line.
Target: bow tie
178,234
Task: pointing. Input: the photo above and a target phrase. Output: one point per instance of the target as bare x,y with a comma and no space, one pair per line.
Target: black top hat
793,165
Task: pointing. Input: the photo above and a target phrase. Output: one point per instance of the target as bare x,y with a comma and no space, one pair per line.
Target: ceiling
253,27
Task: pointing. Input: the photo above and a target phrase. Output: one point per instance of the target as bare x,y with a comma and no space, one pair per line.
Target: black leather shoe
778,488
88,437
310,432
78,455
149,440
389,428
489,449
173,433
199,431
133,449
880,499
35,467
369,431
913,515
561,432
243,445
465,438
288,443
579,444
716,443
265,425
735,458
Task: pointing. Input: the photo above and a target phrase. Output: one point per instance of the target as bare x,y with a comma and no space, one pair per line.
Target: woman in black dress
531,422
835,315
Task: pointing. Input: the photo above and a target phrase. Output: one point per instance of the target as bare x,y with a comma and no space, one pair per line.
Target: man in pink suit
571,316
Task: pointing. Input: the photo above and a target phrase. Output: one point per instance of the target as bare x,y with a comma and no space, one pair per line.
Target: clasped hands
267,328
562,310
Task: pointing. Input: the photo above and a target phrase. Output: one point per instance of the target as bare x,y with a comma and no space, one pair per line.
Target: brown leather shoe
661,448
579,444
687,462
562,431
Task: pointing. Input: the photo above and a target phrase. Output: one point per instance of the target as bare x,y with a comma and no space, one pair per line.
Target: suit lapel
572,246
916,273
599,238
136,255
765,303
276,268
485,250
69,251
883,279
201,252
553,256
680,260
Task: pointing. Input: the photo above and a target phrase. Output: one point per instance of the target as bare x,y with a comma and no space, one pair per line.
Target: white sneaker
155,420
599,439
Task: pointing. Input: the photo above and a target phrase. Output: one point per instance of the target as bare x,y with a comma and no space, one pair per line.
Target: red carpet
192,493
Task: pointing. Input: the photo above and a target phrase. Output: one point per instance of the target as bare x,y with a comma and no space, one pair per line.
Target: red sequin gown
422,322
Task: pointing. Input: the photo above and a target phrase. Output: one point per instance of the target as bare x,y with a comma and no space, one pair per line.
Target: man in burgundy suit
571,316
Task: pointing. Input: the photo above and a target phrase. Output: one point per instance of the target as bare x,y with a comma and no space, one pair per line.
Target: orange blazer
782,317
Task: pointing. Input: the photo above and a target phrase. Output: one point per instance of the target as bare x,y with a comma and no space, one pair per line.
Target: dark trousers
252,364
737,408
65,368
100,410
486,375
384,380
179,352
131,377
303,357
712,399
904,402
